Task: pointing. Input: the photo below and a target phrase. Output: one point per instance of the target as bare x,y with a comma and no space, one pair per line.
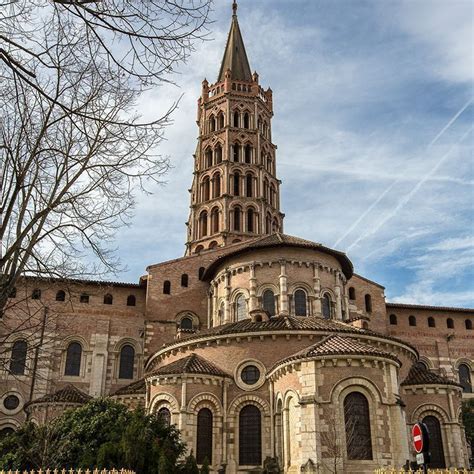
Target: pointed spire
235,57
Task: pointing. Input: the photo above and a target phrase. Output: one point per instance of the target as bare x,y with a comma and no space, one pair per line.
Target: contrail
374,204
407,197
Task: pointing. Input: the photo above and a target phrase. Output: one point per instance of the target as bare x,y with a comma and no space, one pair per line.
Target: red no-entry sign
417,433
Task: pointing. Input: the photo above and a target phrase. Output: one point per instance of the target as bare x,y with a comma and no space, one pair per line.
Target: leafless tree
74,149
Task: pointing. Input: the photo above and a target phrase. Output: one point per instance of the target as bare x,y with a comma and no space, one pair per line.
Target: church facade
263,348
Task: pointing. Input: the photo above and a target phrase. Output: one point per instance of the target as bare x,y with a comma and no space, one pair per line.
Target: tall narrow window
246,120
465,378
165,416
212,124
236,153
250,220
127,361
201,272
268,224
208,158
60,295
166,287
204,436
216,185
218,154
248,154
184,280
250,436
268,298
215,220
73,359
108,299
131,300
326,306
368,303
357,424
206,189
240,308
237,217
221,120
436,442
352,293
300,303
249,185
468,324
18,358
412,321
431,322
236,119
393,319
203,224
236,184
450,323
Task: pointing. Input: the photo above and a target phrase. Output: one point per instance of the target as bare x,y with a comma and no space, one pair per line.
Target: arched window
357,425
216,185
421,364
206,189
184,280
165,416
61,295
201,272
265,188
450,323
237,220
215,220
221,120
131,300
246,120
198,249
326,306
36,294
352,293
268,224
4,432
167,287
204,436
248,154
236,153
236,118
213,245
18,358
127,361
272,195
240,308
208,156
249,185
268,298
218,154
221,313
108,299
186,324
468,324
203,224
300,303
73,359
250,220
212,123
250,436
465,378
436,442
393,319
274,226
368,303
412,321
431,322
236,184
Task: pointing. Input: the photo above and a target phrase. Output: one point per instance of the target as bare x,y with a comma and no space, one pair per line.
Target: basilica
264,349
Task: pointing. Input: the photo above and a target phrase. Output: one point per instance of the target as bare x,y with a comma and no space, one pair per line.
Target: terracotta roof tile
420,375
68,394
436,308
135,388
192,364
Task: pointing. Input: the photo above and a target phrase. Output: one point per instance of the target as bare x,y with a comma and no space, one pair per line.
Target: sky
374,108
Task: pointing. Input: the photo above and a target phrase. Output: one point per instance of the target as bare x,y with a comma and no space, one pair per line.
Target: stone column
283,289
228,289
317,290
182,409
215,309
337,290
100,352
253,302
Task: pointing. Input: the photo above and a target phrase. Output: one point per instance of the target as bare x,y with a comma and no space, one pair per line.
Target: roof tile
420,375
192,364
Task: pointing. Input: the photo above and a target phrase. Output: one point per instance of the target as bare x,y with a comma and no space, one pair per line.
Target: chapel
265,350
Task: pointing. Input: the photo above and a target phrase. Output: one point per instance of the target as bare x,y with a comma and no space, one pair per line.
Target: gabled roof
235,56
192,364
68,394
420,375
135,388
339,345
282,240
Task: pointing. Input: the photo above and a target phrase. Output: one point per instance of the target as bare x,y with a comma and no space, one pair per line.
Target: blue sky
373,122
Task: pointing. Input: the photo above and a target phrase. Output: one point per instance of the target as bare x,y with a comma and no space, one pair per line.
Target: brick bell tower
235,193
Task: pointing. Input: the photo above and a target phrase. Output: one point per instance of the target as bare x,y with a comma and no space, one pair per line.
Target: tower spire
235,56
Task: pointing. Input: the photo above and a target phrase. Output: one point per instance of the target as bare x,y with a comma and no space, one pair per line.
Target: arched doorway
436,442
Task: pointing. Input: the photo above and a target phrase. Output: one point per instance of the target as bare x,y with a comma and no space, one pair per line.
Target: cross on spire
234,7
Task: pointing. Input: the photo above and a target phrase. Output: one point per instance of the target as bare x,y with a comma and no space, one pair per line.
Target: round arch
205,400
429,409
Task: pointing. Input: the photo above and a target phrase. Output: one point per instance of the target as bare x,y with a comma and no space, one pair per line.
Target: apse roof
67,394
420,375
135,388
192,364
282,240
